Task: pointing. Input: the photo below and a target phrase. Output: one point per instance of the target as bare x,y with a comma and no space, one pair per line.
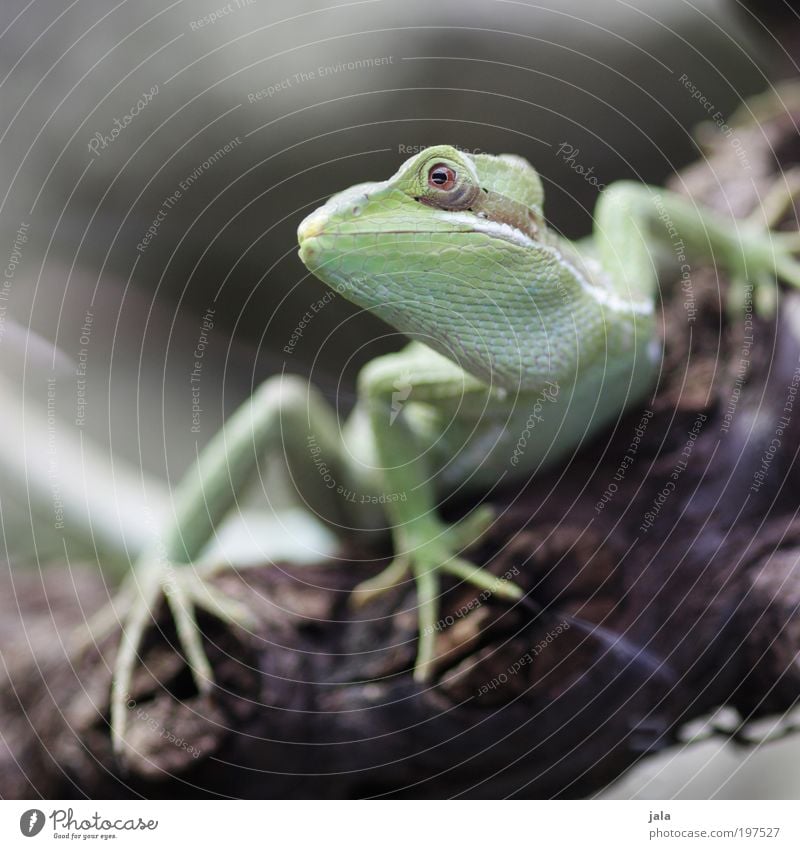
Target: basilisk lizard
523,346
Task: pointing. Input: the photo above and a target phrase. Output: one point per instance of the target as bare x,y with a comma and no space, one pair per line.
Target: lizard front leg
424,545
275,421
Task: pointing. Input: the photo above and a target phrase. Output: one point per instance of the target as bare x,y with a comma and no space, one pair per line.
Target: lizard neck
588,321
559,319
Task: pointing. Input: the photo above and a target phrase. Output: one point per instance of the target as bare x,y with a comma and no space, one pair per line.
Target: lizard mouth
310,237
313,243
317,238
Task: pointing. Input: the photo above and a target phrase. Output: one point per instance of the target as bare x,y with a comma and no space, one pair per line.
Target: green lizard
524,345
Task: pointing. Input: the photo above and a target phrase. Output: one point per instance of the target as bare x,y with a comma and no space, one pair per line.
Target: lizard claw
459,536
426,552
185,589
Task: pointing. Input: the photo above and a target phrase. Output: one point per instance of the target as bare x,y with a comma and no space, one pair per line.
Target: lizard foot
768,254
776,202
429,549
186,588
459,536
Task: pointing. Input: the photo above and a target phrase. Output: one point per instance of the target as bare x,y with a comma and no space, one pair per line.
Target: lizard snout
311,227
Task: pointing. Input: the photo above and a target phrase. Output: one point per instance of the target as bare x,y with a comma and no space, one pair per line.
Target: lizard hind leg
630,216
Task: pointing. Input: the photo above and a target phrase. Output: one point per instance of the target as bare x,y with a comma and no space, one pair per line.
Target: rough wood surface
695,611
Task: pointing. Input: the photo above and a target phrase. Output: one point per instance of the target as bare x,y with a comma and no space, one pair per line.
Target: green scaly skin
523,347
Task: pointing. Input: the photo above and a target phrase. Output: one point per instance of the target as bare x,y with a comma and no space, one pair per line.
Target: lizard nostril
308,251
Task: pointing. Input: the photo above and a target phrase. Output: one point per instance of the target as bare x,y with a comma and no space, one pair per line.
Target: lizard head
447,241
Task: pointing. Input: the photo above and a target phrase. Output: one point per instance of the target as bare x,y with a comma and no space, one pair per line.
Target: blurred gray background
221,125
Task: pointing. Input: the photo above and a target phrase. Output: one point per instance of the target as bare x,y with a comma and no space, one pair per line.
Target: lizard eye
441,176
446,185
